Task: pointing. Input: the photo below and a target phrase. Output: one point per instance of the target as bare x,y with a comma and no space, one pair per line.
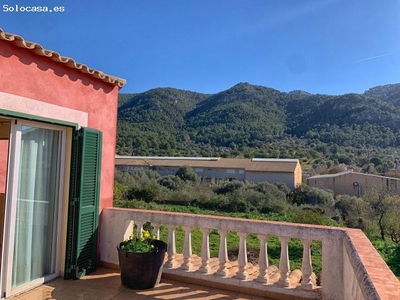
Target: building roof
69,62
330,175
269,165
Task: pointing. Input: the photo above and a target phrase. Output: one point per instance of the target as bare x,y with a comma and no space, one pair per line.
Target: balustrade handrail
292,230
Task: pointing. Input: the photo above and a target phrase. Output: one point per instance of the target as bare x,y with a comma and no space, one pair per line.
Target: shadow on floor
105,284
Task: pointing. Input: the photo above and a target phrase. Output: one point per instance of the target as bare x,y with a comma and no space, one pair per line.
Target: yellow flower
146,234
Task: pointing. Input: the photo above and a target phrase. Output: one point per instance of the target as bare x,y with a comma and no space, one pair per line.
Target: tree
171,181
376,161
352,210
120,191
229,187
305,216
317,196
270,191
304,194
334,169
298,195
146,193
187,173
282,187
382,203
393,225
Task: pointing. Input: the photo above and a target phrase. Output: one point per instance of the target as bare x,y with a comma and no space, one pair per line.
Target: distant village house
255,170
353,183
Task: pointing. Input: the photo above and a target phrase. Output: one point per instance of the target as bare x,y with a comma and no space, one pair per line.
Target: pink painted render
27,74
3,165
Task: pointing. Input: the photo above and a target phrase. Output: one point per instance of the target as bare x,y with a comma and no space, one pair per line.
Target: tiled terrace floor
105,284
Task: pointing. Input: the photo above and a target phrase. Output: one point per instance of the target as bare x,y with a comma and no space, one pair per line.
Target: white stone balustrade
156,227
263,260
343,271
284,267
242,256
139,228
205,252
187,249
306,267
171,250
223,254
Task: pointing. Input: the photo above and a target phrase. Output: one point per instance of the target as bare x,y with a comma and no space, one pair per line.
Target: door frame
10,209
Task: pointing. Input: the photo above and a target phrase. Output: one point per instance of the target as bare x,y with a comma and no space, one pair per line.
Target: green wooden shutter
81,254
70,256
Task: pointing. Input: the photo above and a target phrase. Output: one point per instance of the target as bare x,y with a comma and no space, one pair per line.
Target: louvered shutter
81,255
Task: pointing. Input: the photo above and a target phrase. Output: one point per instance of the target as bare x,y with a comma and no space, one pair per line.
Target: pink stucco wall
3,165
26,74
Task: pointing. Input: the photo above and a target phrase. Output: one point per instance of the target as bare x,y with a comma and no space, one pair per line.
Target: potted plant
141,260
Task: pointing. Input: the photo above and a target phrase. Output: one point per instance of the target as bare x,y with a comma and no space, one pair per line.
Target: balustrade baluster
139,229
223,254
306,267
205,252
284,267
171,250
263,259
127,229
187,249
242,256
156,229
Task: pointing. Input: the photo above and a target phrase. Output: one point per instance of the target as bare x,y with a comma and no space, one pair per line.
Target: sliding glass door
34,204
37,204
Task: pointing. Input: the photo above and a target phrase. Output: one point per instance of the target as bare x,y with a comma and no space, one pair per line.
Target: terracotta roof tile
39,50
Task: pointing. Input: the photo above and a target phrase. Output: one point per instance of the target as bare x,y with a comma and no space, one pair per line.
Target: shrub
187,173
229,187
172,182
183,195
282,187
120,191
147,193
251,197
214,202
275,206
352,210
270,190
317,196
298,195
310,217
238,205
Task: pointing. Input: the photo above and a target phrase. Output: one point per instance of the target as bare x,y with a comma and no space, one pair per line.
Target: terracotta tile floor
105,284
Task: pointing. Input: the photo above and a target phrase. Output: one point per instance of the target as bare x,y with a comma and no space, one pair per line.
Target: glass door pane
36,210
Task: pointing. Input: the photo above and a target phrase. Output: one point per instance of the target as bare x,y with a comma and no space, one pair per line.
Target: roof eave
53,55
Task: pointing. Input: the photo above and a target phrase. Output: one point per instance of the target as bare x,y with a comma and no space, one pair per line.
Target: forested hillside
360,130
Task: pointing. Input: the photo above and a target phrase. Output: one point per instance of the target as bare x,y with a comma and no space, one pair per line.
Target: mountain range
256,121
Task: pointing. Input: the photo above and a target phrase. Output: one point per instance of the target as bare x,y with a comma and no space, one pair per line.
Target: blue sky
320,46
